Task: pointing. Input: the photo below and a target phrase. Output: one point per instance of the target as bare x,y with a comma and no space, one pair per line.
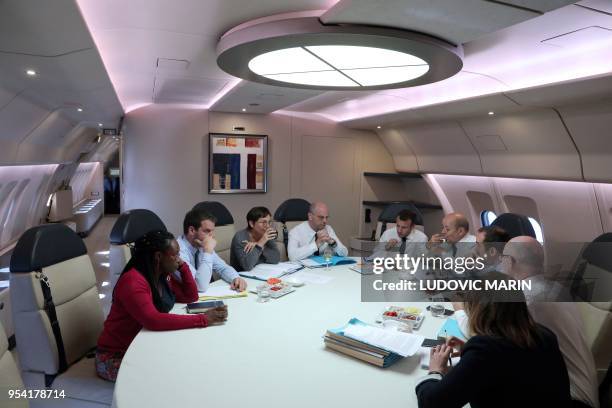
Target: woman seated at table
509,362
255,244
144,294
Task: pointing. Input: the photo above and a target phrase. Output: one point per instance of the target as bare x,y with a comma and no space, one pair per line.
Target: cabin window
538,229
487,217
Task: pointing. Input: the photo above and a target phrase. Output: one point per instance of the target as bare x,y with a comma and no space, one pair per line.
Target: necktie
197,259
315,240
403,246
454,248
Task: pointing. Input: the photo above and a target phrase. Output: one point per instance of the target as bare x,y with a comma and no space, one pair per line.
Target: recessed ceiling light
100,124
303,53
491,113
31,72
378,127
79,109
244,109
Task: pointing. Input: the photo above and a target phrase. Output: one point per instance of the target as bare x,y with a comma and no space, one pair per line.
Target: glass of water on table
328,253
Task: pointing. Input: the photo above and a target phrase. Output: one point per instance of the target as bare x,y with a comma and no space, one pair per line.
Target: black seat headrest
598,252
515,225
390,212
293,209
221,213
45,245
133,224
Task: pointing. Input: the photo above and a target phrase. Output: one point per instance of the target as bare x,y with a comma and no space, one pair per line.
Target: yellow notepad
221,292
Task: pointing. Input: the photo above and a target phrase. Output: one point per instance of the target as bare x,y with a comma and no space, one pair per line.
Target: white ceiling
52,38
507,48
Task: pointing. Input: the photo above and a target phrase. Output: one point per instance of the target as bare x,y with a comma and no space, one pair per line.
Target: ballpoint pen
450,361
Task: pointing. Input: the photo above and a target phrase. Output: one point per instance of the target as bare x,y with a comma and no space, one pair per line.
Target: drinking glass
272,225
328,252
437,309
263,293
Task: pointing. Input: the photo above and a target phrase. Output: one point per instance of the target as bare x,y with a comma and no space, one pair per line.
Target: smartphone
432,342
202,307
447,312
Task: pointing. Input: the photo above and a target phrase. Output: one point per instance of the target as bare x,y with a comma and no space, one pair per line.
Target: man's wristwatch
334,243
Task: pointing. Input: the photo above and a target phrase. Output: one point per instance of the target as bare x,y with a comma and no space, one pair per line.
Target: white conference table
270,355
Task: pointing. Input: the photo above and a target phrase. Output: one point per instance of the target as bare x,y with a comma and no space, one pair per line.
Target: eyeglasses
265,222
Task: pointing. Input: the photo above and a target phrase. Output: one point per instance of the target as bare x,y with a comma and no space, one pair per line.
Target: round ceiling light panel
303,53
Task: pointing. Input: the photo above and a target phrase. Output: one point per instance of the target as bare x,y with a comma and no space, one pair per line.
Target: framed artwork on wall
237,163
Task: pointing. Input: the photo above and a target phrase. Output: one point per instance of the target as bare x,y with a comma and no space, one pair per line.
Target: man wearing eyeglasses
313,236
256,243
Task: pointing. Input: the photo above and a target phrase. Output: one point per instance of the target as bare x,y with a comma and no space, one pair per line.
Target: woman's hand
438,360
455,344
248,246
216,315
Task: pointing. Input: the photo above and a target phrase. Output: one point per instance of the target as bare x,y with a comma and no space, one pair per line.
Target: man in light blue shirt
197,248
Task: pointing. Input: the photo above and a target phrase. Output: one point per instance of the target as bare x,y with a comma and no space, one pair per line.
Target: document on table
404,344
265,271
220,292
308,277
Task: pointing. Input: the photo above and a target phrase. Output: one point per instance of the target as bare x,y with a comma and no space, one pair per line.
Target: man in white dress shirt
197,249
455,239
404,238
313,236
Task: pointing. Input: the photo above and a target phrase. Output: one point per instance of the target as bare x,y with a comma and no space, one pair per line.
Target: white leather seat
224,235
597,317
9,373
56,253
130,226
593,283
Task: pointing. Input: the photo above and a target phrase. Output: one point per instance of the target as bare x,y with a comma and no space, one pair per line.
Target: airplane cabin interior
196,196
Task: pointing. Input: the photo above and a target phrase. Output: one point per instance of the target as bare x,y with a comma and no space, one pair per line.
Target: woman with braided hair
144,294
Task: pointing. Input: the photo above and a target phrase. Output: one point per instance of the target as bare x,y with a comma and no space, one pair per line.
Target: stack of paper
265,271
372,344
221,292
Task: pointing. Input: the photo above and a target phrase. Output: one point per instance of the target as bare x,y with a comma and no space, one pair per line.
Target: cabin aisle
97,243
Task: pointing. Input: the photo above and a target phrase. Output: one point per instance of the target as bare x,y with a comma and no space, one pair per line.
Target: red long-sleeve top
133,308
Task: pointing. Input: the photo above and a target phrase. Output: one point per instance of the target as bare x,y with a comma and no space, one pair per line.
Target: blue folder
335,260
451,328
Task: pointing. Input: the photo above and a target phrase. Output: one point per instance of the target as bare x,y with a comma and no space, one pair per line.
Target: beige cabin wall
165,163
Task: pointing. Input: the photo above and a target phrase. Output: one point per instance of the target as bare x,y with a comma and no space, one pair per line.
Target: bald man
523,259
313,236
455,238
